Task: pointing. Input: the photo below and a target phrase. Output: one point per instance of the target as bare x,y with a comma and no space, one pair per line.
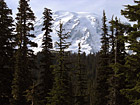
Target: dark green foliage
112,41
103,71
91,67
104,39
117,56
81,85
60,93
88,66
131,91
46,78
32,94
47,41
89,63
24,56
6,52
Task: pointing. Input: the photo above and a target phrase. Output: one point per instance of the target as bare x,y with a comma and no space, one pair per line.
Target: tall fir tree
112,41
132,90
60,93
6,52
104,39
81,85
117,61
46,73
101,90
24,54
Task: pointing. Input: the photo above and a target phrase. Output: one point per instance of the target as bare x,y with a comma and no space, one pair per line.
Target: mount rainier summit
82,26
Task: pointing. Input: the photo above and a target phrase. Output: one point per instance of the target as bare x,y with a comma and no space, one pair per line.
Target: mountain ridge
83,27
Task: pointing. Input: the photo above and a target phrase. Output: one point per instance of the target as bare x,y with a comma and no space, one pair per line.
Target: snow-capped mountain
83,27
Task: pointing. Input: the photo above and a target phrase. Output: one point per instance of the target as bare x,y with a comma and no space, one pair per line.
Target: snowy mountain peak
84,27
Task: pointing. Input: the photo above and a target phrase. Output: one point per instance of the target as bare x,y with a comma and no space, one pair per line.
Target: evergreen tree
24,55
131,91
101,90
117,57
6,52
81,93
60,93
46,74
91,67
112,41
104,39
32,94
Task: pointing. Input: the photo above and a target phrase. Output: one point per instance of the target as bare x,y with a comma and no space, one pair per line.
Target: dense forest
60,77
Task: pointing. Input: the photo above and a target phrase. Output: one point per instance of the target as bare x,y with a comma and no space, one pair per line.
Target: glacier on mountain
82,26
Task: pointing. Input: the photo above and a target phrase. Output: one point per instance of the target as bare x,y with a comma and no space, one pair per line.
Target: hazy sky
96,6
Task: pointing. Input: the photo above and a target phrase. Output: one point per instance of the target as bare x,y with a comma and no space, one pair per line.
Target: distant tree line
109,77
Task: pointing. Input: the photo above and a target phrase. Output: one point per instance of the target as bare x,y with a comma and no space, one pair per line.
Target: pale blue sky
95,6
